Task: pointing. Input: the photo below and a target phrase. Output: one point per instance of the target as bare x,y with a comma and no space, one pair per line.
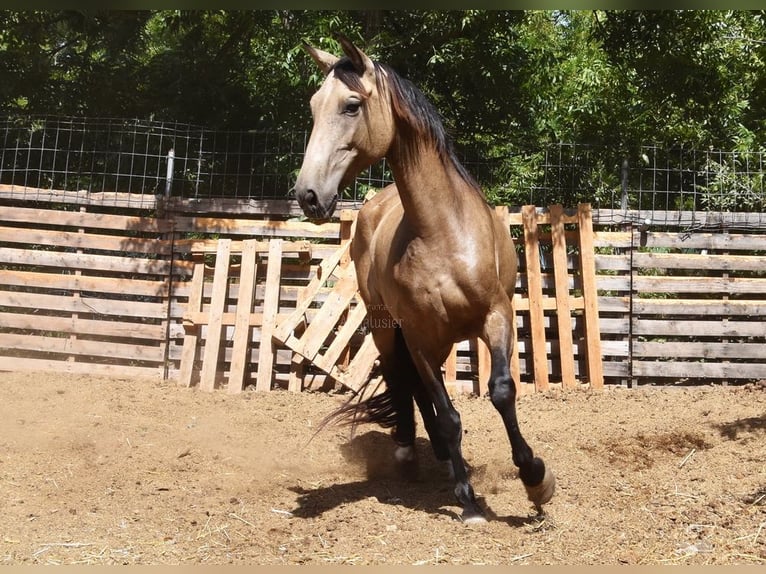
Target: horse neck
431,190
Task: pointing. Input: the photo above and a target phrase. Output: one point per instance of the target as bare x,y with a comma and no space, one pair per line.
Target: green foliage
732,186
508,83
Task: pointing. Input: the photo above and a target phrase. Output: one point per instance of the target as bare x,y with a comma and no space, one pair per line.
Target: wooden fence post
270,310
192,330
590,296
242,332
563,311
215,324
535,290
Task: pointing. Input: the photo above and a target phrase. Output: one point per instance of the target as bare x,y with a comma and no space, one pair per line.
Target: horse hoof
407,462
404,454
543,492
473,518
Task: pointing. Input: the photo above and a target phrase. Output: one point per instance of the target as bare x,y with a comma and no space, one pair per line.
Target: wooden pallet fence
83,292
551,304
681,305
245,220
698,303
326,341
205,361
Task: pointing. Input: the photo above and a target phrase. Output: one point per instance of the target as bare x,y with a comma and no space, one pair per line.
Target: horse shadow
751,425
430,490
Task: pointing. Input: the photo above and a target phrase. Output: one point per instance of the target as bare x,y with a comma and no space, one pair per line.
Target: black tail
378,409
391,408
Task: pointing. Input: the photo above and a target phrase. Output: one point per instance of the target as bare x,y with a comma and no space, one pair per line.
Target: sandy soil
111,471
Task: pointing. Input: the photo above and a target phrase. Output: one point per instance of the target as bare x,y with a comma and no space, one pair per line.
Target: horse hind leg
448,426
403,384
537,478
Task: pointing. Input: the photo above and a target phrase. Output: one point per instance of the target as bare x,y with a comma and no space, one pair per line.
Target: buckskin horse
433,262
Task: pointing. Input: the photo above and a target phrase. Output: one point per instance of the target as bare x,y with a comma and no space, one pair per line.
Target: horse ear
324,60
362,63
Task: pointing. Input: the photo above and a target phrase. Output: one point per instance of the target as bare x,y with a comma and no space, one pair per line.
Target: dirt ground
114,471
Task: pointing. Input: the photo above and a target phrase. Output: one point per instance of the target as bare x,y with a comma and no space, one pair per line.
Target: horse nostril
311,197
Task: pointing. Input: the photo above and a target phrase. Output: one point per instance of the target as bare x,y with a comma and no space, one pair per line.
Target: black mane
413,113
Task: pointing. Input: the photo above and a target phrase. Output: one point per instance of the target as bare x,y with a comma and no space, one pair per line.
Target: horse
434,263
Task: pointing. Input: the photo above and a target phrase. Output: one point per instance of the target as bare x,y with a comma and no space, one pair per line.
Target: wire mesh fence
146,157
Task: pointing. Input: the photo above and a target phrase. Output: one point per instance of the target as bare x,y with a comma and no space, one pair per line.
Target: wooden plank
450,366
23,364
239,206
360,367
698,370
615,348
284,330
136,287
76,294
282,359
542,216
298,365
84,305
710,262
711,241
617,370
613,239
614,304
86,220
619,283
75,239
47,323
333,353
548,303
691,328
563,312
257,227
214,328
270,310
191,337
681,219
81,197
76,346
692,350
619,262
535,293
287,293
707,285
325,320
590,293
614,325
699,307
64,260
243,323
211,246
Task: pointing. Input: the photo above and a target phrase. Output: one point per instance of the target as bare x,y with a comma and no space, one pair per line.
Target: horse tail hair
379,408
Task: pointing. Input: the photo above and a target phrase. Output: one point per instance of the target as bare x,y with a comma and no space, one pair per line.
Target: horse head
352,128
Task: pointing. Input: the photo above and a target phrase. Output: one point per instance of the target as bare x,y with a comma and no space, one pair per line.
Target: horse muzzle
313,206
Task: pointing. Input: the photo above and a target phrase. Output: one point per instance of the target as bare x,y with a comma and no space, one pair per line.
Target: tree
509,84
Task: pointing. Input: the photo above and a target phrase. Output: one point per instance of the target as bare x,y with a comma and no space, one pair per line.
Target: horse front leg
538,480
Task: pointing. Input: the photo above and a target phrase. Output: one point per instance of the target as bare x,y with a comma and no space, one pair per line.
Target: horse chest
425,284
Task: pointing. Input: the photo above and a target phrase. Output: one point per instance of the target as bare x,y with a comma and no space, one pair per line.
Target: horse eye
352,108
